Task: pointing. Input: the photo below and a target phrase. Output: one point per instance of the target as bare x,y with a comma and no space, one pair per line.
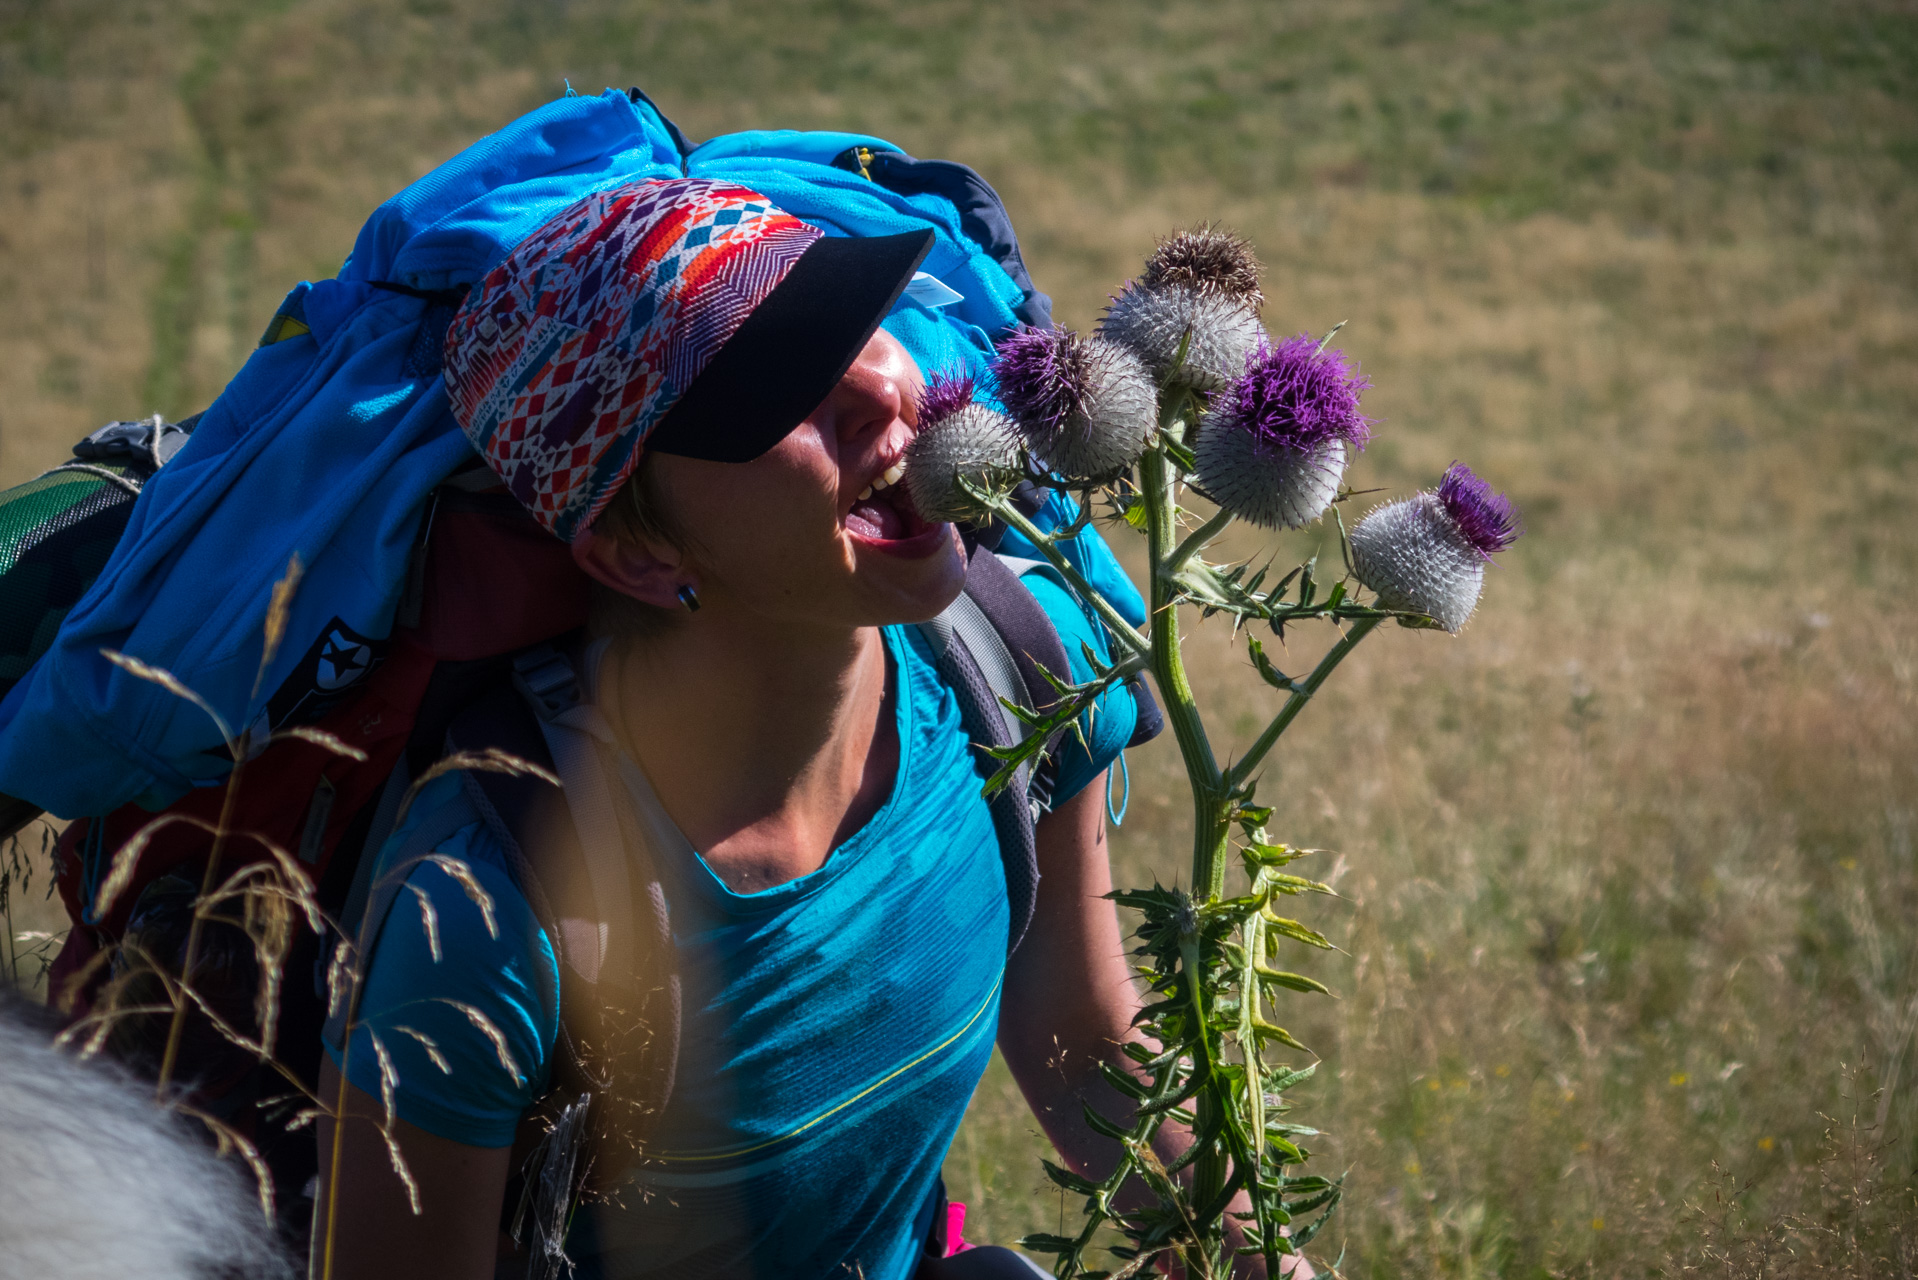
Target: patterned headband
586,336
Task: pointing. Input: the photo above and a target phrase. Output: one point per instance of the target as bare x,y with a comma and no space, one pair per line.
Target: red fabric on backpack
276,795
494,583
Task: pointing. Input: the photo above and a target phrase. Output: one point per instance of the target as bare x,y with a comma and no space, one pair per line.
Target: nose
876,392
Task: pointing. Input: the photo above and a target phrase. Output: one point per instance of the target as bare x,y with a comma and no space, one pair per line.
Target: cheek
780,509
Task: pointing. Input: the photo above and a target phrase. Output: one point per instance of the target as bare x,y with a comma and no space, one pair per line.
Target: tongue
875,518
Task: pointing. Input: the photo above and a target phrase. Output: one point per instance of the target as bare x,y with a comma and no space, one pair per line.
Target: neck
761,746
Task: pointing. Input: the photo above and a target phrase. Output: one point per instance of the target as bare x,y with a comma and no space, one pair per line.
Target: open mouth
884,511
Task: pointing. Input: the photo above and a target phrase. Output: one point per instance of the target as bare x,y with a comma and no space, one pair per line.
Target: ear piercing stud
689,598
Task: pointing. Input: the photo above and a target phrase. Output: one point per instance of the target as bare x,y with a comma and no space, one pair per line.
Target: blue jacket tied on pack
327,443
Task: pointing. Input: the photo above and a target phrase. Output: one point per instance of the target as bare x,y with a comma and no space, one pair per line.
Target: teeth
886,481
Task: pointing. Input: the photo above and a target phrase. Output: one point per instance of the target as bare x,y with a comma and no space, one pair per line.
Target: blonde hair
637,514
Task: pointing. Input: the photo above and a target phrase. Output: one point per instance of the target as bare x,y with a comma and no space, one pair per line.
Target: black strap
1029,498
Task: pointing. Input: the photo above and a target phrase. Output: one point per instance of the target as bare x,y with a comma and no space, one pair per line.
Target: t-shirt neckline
687,865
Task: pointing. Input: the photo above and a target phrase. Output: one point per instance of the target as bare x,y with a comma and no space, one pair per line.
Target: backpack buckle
546,678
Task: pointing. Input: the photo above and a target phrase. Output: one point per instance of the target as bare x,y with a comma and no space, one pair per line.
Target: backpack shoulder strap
568,847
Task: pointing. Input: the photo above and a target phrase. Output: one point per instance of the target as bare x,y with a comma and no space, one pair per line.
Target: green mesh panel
56,533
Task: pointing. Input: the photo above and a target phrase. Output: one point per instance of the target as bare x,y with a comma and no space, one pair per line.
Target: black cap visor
792,350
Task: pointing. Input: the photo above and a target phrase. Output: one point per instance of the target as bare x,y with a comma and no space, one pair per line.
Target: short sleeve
462,1015
1108,725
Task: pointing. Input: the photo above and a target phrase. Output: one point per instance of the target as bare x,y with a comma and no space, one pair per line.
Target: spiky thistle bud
1427,553
957,439
1207,259
1272,449
1085,407
1192,315
1156,323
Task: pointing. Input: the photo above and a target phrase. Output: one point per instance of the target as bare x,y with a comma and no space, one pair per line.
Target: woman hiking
692,389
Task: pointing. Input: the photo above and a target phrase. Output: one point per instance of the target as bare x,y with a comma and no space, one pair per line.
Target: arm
375,1233
1069,998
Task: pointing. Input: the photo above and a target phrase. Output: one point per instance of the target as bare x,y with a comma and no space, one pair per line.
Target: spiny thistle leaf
1291,981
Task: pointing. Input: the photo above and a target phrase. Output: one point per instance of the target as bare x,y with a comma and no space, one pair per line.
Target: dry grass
1628,867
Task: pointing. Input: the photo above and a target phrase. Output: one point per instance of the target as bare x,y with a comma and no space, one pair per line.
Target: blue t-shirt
833,1027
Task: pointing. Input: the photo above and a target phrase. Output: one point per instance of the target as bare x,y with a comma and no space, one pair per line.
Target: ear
648,572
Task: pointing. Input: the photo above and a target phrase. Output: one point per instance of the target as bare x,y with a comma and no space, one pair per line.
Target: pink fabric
955,1223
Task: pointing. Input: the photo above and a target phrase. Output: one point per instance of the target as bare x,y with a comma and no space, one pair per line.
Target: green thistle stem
1016,520
1211,800
1211,796
1196,541
1236,777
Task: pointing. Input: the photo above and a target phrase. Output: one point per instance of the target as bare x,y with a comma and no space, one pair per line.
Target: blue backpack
329,443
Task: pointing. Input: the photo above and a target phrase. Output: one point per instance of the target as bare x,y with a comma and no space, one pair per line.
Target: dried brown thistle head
1207,259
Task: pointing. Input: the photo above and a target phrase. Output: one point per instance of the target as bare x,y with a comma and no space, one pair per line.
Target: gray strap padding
574,731
384,816
1021,566
964,623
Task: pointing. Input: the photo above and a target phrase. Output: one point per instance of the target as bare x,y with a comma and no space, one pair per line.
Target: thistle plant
1084,406
1272,448
1192,315
1265,430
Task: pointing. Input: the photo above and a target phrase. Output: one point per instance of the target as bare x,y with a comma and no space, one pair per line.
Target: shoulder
460,984
452,867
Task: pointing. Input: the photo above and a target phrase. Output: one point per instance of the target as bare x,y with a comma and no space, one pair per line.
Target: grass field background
1629,976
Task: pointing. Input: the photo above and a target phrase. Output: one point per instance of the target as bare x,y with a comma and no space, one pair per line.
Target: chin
910,583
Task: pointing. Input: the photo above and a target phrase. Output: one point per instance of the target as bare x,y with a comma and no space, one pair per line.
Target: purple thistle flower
1427,553
1294,396
971,443
943,396
1085,406
1273,447
1041,376
1488,520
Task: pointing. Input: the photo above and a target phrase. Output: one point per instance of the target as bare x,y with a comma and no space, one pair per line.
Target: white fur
97,1182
